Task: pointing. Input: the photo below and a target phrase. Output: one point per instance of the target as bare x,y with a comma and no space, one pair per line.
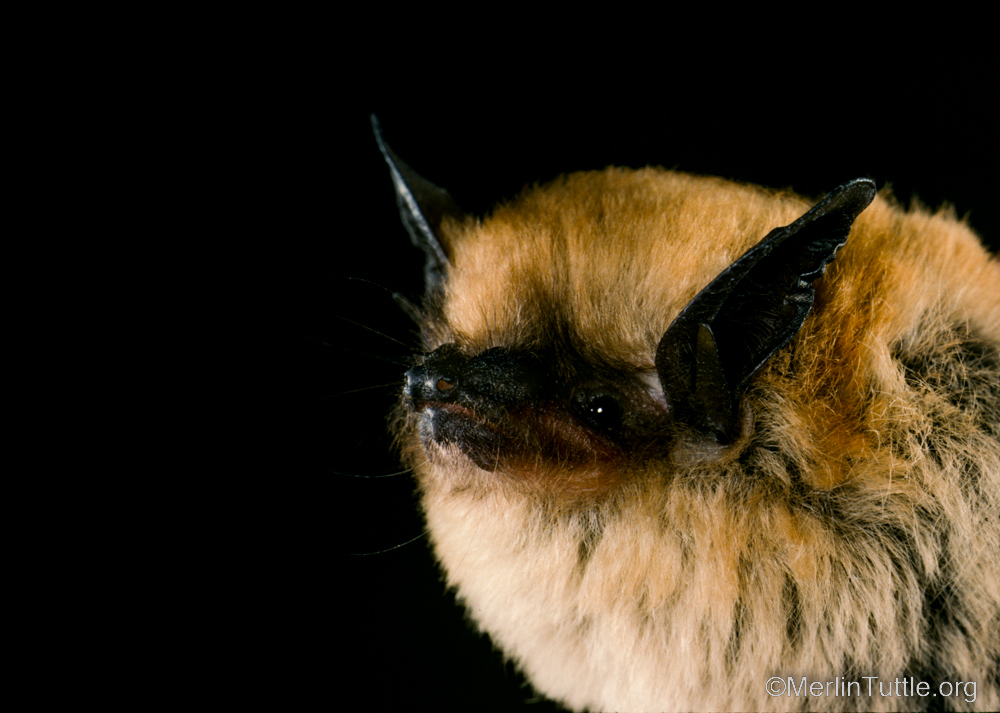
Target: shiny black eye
600,410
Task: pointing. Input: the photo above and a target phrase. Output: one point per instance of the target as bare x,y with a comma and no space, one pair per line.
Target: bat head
598,325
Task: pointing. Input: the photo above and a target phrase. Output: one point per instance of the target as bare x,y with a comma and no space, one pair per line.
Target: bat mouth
480,440
438,411
542,436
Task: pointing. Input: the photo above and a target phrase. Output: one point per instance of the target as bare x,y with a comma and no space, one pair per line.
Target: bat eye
600,410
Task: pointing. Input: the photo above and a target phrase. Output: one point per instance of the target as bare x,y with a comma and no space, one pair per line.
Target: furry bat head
671,443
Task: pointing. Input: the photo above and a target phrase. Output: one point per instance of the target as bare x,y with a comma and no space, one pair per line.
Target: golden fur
852,530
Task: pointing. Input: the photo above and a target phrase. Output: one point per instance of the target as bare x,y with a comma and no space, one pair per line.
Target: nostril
437,378
443,387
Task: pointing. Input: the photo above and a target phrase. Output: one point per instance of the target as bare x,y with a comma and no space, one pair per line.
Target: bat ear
422,206
720,339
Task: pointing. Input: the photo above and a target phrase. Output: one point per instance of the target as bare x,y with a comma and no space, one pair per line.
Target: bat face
675,436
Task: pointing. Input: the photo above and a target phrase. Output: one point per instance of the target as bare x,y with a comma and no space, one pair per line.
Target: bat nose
495,377
431,383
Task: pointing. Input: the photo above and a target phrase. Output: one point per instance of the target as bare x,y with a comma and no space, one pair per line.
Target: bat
688,444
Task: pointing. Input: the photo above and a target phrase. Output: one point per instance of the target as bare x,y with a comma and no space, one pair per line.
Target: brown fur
852,530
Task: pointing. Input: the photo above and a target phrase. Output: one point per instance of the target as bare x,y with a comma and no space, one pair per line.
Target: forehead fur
614,253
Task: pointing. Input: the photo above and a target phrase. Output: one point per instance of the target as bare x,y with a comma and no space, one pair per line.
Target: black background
352,613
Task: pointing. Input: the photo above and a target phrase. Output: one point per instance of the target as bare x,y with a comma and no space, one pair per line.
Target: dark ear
750,310
422,206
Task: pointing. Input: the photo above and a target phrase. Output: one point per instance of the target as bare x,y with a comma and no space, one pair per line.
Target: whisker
386,475
351,278
394,547
368,355
362,388
370,329
398,361
411,310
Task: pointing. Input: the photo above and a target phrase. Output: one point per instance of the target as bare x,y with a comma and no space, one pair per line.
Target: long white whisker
390,549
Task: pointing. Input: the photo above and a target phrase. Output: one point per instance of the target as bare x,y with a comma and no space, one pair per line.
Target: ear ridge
750,310
422,207
710,388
